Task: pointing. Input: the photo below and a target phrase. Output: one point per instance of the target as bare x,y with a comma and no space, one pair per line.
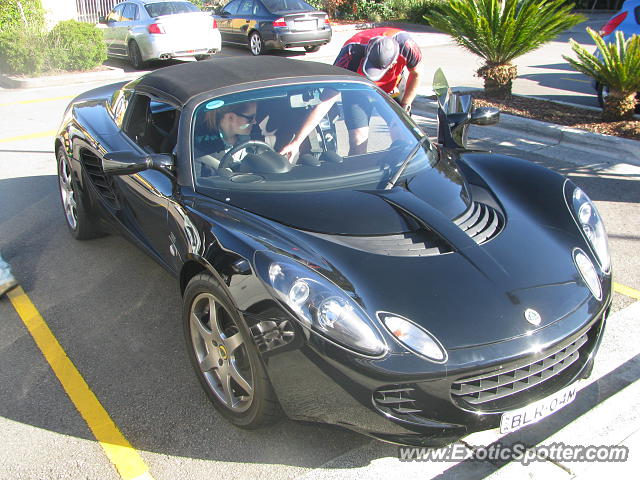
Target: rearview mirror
128,163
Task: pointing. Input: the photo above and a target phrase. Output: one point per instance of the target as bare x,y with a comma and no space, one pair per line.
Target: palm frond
499,31
617,64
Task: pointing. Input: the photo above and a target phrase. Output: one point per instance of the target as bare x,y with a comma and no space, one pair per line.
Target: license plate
516,419
306,25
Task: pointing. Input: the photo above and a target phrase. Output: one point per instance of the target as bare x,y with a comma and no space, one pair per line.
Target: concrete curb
112,73
601,148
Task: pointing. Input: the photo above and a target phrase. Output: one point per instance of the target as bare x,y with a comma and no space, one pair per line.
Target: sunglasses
249,118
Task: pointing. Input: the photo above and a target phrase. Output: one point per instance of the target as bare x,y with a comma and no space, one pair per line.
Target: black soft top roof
187,80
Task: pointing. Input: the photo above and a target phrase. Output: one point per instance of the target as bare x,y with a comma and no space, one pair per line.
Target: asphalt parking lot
115,315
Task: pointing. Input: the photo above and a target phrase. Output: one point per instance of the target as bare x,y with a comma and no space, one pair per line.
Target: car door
225,20
124,26
144,196
244,21
111,21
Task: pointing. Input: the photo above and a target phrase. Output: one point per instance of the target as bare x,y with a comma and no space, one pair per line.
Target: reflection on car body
416,292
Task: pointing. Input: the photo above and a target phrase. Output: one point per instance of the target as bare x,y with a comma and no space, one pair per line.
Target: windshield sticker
214,104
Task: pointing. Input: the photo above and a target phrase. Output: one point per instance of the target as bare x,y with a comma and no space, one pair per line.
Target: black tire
311,48
81,225
135,57
213,356
200,58
256,45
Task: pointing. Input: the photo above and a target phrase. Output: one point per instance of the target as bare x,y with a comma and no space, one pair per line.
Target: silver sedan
143,30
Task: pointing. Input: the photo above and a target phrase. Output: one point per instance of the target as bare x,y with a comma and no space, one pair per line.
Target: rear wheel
135,57
203,57
256,45
80,223
311,48
224,356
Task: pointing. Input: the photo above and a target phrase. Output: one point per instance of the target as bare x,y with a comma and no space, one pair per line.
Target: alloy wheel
68,194
221,353
255,44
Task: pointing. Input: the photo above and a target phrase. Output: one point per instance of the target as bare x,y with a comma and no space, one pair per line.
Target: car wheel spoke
240,380
209,362
225,380
213,321
201,329
233,342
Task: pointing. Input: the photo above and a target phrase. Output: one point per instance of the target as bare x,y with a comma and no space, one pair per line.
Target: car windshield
287,6
170,8
333,136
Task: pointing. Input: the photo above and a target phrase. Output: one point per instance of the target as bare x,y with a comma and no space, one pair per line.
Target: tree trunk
498,79
618,106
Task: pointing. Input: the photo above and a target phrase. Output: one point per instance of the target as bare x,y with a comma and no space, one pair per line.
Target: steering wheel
225,161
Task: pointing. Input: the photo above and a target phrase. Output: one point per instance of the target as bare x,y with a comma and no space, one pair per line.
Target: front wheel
203,57
256,45
80,223
224,356
311,48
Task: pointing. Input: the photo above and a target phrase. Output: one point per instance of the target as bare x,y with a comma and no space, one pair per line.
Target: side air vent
103,183
419,243
396,401
481,222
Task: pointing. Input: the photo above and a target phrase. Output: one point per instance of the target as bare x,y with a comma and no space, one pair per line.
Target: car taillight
156,28
279,22
612,24
326,21
215,24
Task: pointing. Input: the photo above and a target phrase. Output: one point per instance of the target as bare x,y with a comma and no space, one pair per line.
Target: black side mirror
128,163
102,19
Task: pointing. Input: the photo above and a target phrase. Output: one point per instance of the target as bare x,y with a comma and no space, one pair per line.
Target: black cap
380,54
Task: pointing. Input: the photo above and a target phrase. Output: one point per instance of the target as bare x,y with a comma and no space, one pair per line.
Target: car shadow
578,87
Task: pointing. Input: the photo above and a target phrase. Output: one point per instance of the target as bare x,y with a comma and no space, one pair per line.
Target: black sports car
415,292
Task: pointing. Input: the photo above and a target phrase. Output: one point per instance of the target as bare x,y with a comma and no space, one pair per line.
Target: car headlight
319,304
414,337
588,272
590,223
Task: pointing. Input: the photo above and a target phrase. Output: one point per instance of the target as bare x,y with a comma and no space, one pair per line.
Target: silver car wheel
221,353
68,195
255,43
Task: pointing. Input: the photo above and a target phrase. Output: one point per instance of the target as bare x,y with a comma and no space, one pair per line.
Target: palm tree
616,65
500,31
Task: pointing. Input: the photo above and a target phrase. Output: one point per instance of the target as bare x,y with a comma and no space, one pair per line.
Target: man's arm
411,89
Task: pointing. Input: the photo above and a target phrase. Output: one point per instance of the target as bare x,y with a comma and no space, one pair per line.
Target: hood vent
481,222
419,243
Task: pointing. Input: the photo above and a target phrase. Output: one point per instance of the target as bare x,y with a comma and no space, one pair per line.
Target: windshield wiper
402,168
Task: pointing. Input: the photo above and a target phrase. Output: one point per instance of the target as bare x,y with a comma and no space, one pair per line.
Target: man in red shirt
381,54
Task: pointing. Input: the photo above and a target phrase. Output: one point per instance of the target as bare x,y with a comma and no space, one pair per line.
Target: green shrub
21,13
23,50
76,46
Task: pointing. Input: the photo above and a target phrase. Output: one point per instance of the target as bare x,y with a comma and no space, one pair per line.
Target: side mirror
128,163
102,19
485,116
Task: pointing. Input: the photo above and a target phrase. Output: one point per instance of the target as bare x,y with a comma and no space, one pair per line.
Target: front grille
481,222
498,390
103,183
396,400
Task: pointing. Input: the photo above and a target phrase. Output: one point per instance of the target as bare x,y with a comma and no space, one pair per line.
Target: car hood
356,212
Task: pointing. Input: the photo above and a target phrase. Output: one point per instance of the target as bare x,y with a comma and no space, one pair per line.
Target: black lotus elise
413,291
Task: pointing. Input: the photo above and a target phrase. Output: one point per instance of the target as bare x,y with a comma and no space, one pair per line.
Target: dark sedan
415,292
273,24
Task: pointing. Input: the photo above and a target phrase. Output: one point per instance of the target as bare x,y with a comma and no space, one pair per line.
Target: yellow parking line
36,100
575,80
29,136
124,457
628,291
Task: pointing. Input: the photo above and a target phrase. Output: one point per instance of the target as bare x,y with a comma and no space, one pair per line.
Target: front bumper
392,400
